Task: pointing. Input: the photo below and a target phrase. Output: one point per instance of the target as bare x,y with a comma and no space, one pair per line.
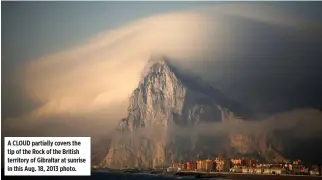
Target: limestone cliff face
158,98
164,101
164,97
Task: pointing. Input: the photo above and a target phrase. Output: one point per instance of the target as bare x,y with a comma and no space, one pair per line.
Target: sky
33,29
50,26
68,68
63,56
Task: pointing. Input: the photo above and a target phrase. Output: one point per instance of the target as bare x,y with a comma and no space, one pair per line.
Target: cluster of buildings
216,165
246,165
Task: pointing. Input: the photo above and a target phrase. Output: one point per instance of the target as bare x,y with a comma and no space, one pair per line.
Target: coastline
223,175
271,177
106,174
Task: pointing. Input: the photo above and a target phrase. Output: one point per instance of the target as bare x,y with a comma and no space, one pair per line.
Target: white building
172,169
245,170
267,171
235,170
314,173
251,170
258,171
276,171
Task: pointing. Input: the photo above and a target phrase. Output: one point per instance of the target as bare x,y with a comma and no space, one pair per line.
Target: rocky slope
165,117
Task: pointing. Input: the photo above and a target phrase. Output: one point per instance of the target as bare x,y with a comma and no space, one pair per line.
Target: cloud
97,124
279,132
305,122
108,67
79,82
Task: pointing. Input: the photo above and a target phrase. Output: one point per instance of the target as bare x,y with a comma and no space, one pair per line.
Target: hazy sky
38,28
68,68
34,29
31,30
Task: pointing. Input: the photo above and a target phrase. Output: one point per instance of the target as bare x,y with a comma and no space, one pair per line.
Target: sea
104,175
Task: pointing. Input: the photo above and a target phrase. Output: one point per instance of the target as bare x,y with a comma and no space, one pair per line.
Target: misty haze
158,83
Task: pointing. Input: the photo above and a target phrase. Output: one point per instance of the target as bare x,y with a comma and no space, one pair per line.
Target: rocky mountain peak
157,98
157,67
157,64
168,99
158,60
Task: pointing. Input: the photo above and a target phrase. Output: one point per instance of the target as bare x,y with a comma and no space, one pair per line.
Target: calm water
103,175
128,176
139,176
114,176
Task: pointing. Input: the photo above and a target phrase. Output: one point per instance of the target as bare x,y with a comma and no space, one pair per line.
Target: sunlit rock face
165,97
165,102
